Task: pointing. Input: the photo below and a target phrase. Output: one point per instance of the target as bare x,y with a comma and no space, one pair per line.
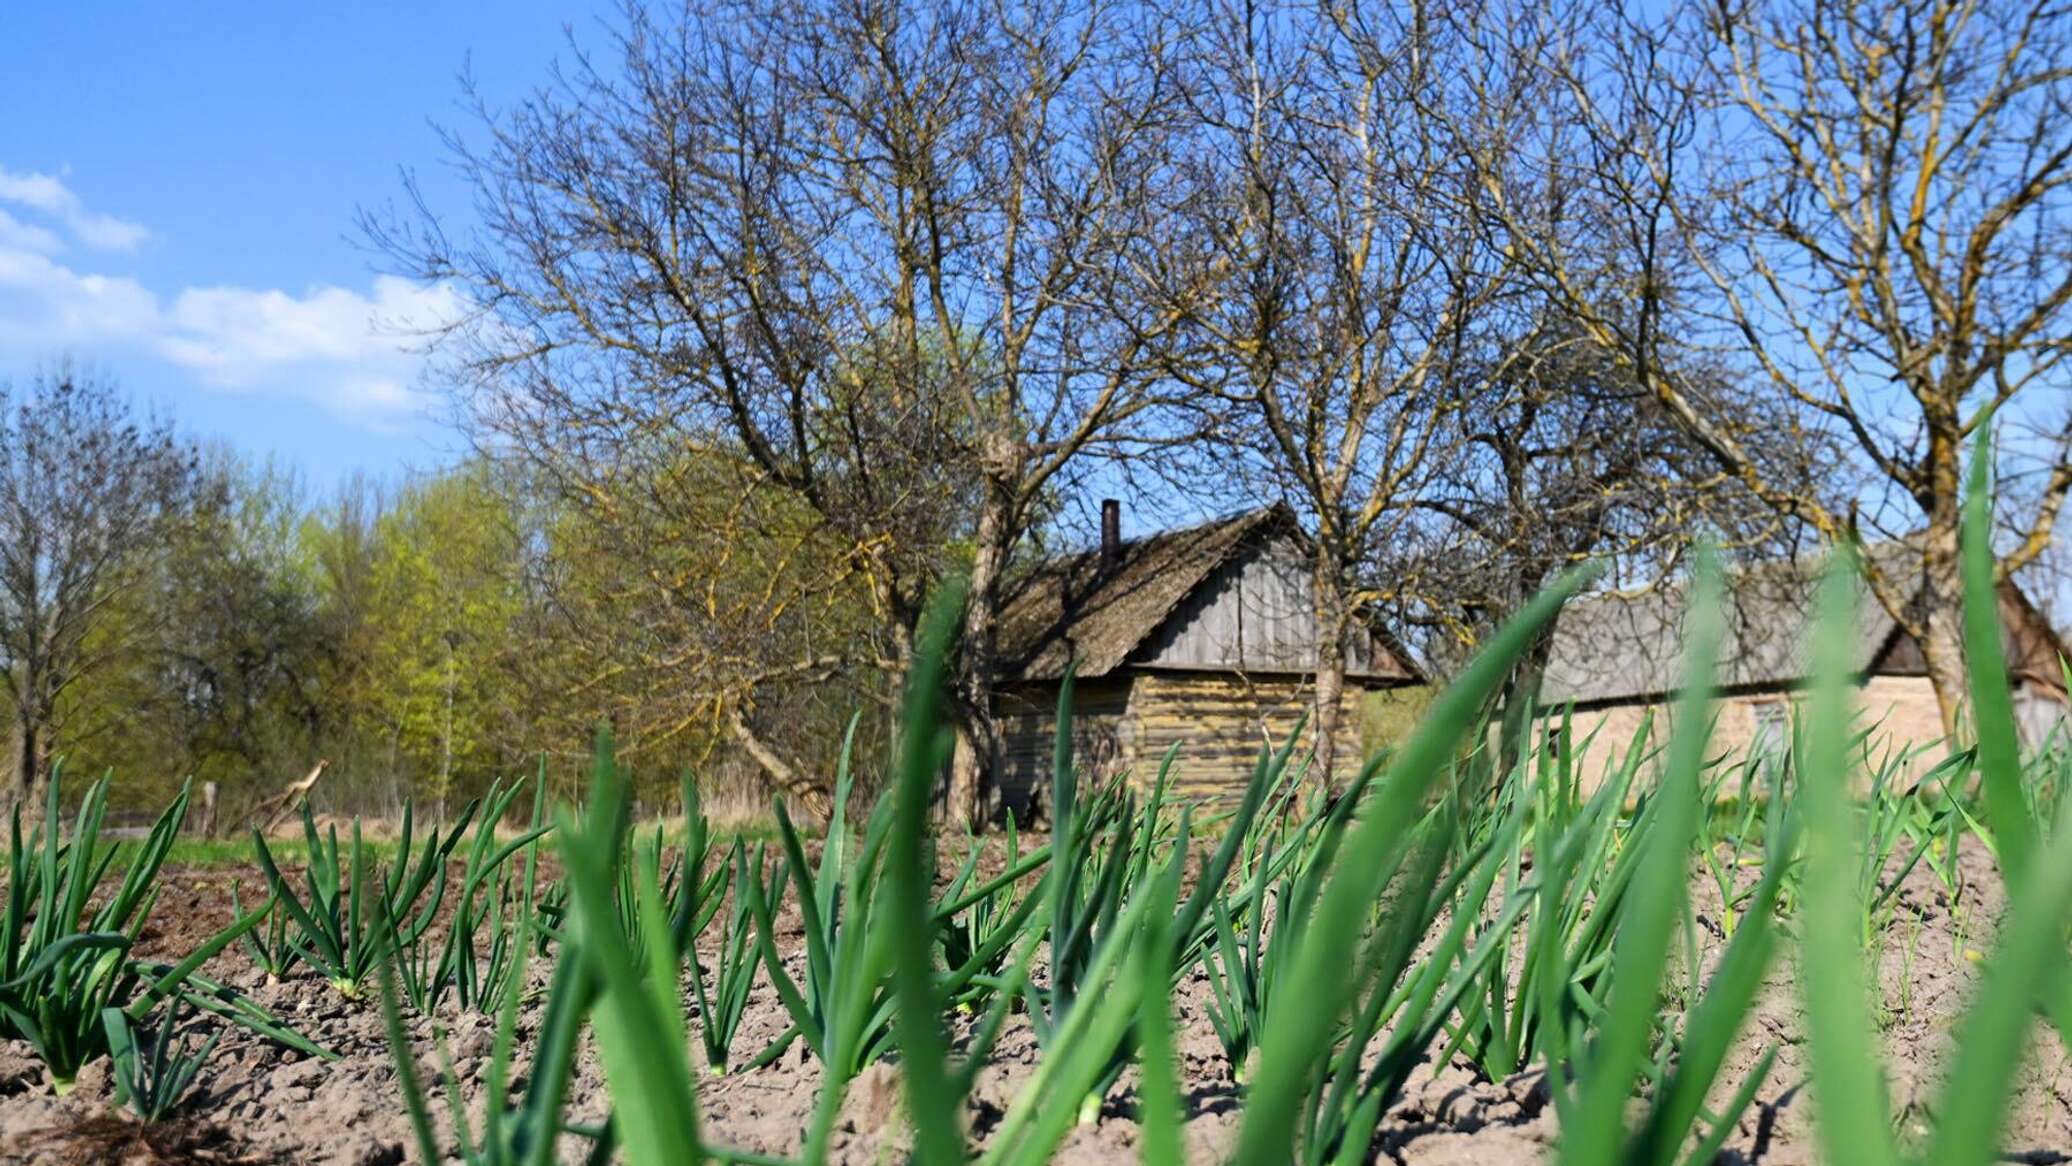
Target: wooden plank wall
1254,614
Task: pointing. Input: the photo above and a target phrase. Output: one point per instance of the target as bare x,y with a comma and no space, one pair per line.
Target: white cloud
49,195
354,352
45,305
16,235
234,327
359,347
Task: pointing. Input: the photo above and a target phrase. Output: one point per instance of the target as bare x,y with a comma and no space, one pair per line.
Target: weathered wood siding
1220,722
1254,614
1102,736
1127,723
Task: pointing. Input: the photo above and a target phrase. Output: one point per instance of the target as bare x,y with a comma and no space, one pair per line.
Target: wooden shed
1615,662
1205,636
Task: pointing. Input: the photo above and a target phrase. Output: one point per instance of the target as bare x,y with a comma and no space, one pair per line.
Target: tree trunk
1518,701
800,788
1942,631
16,792
902,612
971,761
1332,624
965,805
1517,706
31,760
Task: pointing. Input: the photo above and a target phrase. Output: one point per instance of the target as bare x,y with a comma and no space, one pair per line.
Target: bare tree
86,489
1561,459
1542,478
1341,228
887,252
1860,208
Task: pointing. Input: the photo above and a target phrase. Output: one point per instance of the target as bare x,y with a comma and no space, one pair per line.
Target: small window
1769,728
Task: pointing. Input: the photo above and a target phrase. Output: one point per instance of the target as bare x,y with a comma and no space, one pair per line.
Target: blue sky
177,191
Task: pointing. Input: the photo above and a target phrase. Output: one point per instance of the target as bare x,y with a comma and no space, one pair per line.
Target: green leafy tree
445,599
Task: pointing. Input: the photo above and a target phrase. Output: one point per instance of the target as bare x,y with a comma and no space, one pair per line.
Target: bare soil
262,1104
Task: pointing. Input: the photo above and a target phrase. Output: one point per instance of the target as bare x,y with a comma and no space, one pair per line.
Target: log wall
1102,737
1220,721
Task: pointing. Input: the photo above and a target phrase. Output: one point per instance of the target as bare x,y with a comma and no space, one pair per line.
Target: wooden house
1205,636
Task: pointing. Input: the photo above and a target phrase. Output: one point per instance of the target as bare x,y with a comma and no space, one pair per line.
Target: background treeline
780,311
421,636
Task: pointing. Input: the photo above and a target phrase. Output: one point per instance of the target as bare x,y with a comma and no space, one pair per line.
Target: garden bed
257,1102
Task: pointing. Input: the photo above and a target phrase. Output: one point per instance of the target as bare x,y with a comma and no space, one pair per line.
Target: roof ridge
1810,561
1223,519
